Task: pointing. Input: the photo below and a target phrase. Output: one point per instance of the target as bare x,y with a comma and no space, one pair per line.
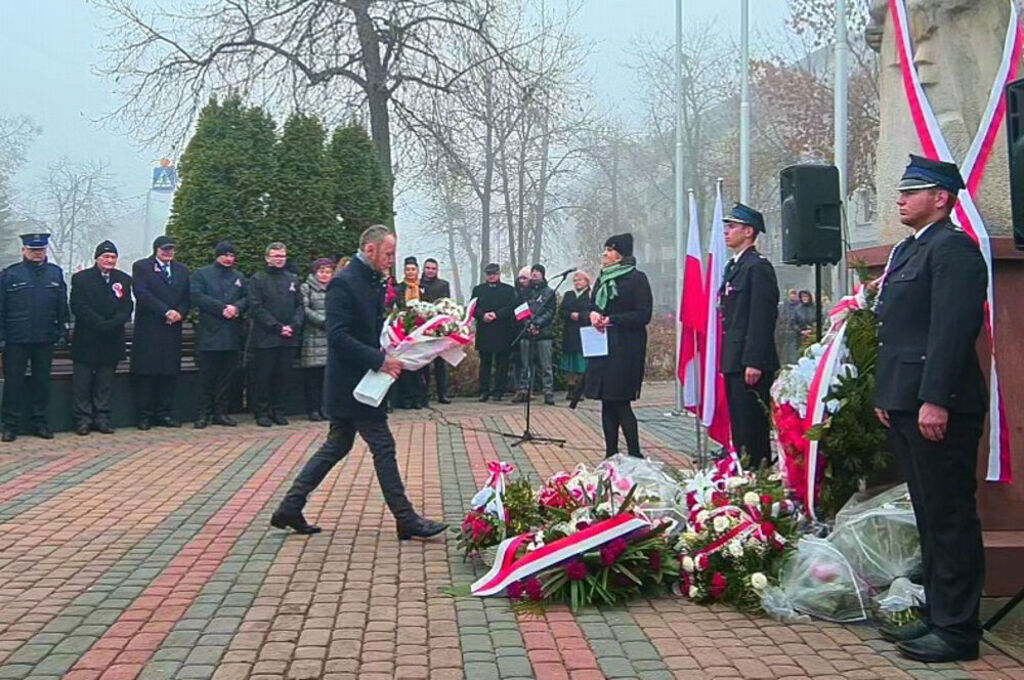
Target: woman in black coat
620,306
574,309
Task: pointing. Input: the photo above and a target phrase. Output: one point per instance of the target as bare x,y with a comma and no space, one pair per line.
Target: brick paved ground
148,555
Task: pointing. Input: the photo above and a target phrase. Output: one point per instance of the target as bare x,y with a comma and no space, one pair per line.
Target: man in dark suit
162,301
101,301
749,297
355,316
494,314
930,393
218,290
433,288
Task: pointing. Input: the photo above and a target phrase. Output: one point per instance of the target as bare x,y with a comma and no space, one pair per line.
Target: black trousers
499,361
90,393
748,413
941,477
439,368
21,390
154,395
615,415
340,438
216,373
412,388
313,386
270,372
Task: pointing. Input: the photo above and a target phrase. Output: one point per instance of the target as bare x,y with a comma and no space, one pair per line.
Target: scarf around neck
607,289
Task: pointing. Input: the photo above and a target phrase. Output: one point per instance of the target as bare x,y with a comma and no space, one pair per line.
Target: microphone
568,271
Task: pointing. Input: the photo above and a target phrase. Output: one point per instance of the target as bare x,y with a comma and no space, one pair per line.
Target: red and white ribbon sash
934,145
491,497
507,569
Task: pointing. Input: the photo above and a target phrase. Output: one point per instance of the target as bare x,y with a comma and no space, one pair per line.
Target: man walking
495,313
433,288
536,344
162,302
218,290
277,315
355,316
33,317
101,301
931,394
750,307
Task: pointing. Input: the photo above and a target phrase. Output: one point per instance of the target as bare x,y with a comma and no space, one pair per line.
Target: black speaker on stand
1015,139
811,220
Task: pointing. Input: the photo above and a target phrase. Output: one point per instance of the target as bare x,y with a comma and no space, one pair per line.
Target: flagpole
679,196
745,101
841,106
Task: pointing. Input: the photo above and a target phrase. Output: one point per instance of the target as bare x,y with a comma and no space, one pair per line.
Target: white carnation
688,565
758,581
693,592
735,482
751,498
721,523
736,549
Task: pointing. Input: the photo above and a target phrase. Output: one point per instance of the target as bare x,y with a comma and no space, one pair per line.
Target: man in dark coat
277,315
355,316
930,393
162,301
494,314
101,301
33,317
538,340
433,288
218,290
749,297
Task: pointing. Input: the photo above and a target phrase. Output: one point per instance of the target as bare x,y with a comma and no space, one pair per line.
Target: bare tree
16,133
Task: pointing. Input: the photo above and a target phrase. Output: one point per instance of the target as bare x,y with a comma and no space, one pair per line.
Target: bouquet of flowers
417,335
501,508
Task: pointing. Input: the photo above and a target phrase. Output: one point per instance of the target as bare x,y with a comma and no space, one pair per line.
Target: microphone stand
527,435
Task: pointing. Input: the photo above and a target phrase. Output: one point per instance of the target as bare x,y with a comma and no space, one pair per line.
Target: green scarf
607,289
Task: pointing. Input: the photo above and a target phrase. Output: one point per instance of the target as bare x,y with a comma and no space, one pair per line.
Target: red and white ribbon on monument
933,143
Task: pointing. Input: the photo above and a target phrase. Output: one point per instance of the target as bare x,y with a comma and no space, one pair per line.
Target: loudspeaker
811,215
1015,139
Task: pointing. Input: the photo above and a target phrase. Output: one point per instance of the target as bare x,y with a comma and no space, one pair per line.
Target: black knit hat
224,248
539,268
103,248
620,243
162,242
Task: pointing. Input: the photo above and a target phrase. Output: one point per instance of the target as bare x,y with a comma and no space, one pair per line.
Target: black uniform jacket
749,298
101,310
930,312
355,316
214,287
501,299
619,376
275,301
156,345
33,303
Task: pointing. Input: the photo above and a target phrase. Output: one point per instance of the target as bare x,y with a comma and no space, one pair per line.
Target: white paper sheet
595,343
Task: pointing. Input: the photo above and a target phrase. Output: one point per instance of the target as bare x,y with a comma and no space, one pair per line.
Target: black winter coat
436,289
275,301
33,303
156,345
101,310
930,312
580,304
214,287
749,298
355,316
619,376
501,299
543,306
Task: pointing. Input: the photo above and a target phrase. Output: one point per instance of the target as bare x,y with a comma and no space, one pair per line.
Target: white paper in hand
372,389
595,343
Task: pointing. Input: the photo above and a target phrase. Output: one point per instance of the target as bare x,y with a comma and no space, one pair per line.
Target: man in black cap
218,290
33,317
536,344
930,393
101,302
162,301
494,314
433,288
750,308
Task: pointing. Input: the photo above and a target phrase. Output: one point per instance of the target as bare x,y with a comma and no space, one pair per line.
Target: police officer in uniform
931,394
33,316
750,307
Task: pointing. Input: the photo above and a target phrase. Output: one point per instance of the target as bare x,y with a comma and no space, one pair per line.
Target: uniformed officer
750,307
930,393
33,316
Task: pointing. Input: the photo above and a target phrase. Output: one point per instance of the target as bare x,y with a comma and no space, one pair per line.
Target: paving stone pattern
148,555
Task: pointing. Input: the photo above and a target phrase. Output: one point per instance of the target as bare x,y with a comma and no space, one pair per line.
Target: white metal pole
745,101
841,106
679,195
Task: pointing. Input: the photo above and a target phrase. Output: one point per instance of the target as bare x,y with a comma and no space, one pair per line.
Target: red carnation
580,526
767,530
576,570
719,499
654,559
718,585
534,589
766,500
514,590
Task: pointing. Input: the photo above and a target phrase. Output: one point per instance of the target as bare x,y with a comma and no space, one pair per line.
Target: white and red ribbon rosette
490,498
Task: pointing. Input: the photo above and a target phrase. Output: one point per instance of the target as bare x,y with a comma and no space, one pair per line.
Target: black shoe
166,421
911,631
484,397
296,522
932,648
103,427
82,429
421,527
43,432
416,407
9,436
264,421
143,424
497,397
278,419
316,418
444,400
388,408
226,421
201,423
549,399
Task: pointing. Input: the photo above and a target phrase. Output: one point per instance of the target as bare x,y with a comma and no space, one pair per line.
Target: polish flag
523,311
692,308
714,411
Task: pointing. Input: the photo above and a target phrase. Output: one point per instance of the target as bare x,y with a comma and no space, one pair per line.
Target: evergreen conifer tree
361,194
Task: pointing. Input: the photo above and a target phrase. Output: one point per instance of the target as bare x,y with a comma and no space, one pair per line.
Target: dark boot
420,527
295,521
